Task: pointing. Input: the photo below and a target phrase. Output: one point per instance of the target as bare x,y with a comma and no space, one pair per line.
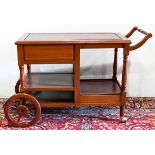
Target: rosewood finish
67,90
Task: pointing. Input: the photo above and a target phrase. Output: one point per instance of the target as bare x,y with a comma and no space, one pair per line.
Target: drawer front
50,52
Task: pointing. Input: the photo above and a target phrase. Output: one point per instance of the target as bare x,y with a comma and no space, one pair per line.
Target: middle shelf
65,82
48,82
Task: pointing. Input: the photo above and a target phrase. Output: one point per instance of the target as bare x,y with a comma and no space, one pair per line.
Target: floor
139,111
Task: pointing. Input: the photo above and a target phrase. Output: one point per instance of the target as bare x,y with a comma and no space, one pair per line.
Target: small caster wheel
17,87
22,110
124,119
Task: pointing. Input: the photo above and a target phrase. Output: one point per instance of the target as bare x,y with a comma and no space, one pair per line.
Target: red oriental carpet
139,111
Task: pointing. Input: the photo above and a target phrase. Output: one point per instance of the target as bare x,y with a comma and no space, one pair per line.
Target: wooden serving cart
36,90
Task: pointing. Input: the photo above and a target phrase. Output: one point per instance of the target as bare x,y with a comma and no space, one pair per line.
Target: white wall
18,17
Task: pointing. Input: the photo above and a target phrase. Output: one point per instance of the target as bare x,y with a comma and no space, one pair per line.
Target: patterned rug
139,111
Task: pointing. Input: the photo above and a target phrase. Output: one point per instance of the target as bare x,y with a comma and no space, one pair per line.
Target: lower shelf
99,86
92,93
98,92
54,99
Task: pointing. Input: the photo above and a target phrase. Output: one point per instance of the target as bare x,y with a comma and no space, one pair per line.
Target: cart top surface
71,38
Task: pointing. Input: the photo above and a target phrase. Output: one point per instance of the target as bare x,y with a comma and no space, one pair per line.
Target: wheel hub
22,110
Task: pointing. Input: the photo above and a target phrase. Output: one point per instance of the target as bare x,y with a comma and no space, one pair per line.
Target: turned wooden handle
142,42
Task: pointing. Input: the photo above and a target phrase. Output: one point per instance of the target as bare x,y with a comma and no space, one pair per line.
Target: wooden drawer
50,52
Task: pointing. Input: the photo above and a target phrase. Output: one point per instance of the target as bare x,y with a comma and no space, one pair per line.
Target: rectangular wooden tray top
71,38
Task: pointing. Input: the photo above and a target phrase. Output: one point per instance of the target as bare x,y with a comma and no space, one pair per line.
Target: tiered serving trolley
36,90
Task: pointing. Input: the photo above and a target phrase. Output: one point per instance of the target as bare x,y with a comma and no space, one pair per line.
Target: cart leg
121,111
123,119
28,68
115,65
21,68
21,80
124,81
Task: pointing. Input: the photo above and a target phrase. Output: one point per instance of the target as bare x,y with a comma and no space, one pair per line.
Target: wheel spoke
17,103
19,117
13,107
30,113
31,108
12,110
22,101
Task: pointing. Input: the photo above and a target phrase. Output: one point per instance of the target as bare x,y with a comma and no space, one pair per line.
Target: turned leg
124,81
121,111
29,72
28,68
115,65
21,68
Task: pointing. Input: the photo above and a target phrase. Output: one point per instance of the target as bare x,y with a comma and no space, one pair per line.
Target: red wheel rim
21,110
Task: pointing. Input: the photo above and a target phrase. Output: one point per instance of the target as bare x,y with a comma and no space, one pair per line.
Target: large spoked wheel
17,87
22,110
